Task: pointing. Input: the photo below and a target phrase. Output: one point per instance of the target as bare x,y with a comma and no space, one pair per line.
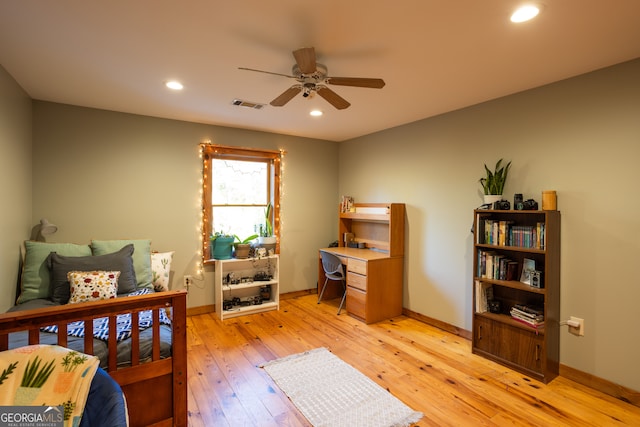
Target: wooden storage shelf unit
497,335
234,278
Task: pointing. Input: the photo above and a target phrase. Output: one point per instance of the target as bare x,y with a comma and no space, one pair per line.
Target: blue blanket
123,323
105,405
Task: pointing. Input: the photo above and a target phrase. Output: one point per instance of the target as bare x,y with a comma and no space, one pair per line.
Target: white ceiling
434,55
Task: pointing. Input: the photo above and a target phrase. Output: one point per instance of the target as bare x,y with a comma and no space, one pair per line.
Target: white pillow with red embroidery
92,285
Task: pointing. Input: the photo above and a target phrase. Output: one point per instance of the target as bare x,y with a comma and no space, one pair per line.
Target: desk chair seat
333,270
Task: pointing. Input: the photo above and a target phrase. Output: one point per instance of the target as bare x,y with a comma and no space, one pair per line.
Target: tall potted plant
493,182
266,238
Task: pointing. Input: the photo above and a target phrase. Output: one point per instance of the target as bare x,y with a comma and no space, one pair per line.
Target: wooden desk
374,283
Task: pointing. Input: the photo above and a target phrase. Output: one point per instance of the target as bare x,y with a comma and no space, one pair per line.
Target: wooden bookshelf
532,350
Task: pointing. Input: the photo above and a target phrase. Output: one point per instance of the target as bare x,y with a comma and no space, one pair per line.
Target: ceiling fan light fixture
525,13
316,113
174,85
312,79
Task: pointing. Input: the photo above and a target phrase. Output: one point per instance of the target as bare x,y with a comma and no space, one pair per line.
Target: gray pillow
60,265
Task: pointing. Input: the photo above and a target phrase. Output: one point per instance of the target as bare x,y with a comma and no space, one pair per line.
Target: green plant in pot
242,247
493,182
221,245
266,236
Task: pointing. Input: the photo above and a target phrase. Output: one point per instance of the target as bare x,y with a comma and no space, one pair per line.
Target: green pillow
141,257
36,278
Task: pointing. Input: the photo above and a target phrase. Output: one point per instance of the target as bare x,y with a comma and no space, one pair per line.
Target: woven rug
330,392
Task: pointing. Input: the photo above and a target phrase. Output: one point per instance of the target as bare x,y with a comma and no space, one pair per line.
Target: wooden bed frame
156,391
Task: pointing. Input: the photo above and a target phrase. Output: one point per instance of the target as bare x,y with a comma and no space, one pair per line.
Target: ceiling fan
312,77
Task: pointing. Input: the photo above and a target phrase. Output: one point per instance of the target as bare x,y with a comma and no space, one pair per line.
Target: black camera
517,202
530,205
261,276
502,205
536,279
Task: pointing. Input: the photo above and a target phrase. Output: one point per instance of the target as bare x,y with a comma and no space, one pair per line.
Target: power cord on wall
572,323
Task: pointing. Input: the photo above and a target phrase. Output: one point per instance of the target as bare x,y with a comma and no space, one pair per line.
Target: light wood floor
430,370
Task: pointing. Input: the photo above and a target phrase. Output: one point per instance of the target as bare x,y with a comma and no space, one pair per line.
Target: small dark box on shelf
494,306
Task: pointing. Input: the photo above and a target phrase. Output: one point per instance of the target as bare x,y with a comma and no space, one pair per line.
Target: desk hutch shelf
377,225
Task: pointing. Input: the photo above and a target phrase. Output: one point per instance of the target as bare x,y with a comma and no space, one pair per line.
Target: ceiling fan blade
356,81
306,59
332,98
266,72
286,96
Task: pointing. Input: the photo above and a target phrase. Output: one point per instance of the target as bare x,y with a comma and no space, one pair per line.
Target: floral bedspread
123,323
47,375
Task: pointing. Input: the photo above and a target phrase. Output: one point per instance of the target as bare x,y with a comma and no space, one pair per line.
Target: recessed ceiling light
525,13
315,113
173,84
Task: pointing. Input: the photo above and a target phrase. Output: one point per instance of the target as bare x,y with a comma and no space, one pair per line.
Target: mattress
100,349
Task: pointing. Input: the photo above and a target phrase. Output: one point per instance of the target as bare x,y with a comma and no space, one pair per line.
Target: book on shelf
497,259
346,204
526,316
506,233
485,264
529,315
484,293
489,266
540,233
529,309
495,266
512,271
534,325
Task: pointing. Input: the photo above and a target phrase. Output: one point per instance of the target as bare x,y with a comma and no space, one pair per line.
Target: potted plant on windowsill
266,239
493,183
221,245
242,247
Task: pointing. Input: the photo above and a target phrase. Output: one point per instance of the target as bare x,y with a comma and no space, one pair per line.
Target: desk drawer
356,303
357,266
357,281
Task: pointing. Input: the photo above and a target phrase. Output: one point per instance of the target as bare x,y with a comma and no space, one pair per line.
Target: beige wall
580,137
106,175
15,182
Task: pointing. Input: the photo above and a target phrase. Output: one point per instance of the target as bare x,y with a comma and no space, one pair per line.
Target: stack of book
346,204
496,266
506,233
531,316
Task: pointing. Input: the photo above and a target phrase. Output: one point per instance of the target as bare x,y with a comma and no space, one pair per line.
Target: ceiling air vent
247,104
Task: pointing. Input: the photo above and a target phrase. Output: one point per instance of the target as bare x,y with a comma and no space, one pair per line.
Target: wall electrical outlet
577,330
187,281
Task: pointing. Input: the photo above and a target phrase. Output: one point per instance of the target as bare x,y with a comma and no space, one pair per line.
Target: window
238,186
